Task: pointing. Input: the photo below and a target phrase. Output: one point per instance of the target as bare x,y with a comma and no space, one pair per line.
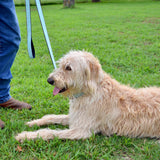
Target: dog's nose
50,81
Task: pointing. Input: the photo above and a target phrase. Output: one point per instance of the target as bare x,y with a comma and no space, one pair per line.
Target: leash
31,50
30,45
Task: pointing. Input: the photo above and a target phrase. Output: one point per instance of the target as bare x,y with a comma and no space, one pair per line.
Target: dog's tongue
56,91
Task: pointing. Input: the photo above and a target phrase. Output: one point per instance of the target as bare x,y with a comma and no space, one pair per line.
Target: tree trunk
95,0
68,3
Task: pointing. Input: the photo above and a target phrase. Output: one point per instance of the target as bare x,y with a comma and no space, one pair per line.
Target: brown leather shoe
1,124
15,104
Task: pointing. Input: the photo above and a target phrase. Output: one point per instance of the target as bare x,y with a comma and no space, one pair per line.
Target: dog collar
78,95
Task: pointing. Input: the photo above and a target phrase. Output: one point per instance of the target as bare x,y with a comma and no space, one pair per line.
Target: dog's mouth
58,90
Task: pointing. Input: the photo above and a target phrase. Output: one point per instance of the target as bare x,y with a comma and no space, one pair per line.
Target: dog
98,103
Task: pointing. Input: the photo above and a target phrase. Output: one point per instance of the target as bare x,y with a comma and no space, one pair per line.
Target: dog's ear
94,70
94,75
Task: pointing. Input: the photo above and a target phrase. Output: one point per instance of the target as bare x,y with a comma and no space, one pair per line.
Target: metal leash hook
30,43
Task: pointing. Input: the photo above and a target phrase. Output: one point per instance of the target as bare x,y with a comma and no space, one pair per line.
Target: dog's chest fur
92,114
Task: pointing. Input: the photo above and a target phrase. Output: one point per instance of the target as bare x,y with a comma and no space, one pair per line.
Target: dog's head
78,72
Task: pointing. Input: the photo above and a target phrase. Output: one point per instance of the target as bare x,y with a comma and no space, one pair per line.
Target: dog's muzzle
56,89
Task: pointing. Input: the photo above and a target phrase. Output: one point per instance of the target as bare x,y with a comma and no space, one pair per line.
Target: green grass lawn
126,39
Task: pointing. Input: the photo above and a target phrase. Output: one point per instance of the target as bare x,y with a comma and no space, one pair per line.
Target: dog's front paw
45,134
32,123
26,135
21,136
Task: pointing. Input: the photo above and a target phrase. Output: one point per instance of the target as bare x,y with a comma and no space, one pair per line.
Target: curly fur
106,106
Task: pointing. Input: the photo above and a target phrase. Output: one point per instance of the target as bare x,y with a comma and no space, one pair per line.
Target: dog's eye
68,68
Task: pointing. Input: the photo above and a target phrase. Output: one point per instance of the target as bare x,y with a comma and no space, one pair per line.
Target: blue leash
30,45
31,50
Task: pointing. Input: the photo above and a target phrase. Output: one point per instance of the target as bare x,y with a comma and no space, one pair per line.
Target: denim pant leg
9,45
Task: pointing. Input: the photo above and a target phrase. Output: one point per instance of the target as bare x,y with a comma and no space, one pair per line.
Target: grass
126,39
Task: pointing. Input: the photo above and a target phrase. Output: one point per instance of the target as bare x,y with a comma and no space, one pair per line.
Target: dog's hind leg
50,119
47,134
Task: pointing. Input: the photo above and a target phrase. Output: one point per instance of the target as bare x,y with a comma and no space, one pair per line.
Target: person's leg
9,45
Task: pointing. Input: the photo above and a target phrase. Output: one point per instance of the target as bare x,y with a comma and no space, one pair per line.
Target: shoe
1,124
15,104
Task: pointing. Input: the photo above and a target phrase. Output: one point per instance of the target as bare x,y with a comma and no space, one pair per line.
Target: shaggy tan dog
98,103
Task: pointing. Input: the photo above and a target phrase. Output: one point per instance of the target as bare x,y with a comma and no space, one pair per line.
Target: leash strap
30,45
38,4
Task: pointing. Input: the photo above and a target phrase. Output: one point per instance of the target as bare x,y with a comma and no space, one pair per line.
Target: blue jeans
9,45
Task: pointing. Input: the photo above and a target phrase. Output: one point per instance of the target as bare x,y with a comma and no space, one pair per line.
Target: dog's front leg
72,134
47,134
50,119
43,133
